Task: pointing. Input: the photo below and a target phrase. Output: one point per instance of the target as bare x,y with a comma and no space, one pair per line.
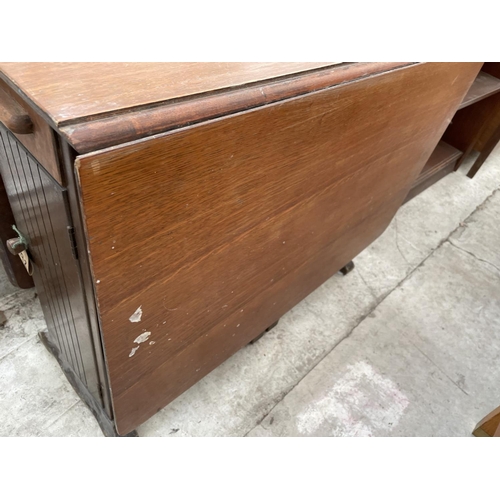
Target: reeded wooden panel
40,213
13,266
211,233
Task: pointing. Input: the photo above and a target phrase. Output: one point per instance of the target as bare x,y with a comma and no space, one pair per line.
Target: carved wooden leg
263,333
489,426
347,268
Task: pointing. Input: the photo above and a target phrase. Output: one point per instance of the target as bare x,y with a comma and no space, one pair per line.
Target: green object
22,240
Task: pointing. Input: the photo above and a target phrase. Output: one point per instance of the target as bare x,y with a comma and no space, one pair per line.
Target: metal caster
347,268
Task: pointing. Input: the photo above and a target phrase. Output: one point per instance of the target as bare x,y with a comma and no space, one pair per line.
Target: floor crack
62,414
366,284
18,346
437,366
397,240
474,255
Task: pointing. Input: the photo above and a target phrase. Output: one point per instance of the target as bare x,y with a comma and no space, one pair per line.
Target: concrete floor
408,344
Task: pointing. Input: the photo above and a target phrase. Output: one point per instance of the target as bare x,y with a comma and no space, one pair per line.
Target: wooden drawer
30,129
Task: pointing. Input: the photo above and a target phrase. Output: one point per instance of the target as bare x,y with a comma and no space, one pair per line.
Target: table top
71,91
97,105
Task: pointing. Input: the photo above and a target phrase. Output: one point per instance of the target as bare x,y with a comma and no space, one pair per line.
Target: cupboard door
13,266
41,215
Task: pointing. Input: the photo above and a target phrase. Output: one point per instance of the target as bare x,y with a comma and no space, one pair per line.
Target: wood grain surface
14,268
210,233
441,163
484,86
69,91
105,131
97,105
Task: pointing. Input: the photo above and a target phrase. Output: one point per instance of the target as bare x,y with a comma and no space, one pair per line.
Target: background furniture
174,212
489,426
475,127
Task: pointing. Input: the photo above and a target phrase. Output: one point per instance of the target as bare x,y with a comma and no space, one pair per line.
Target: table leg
487,149
263,333
347,268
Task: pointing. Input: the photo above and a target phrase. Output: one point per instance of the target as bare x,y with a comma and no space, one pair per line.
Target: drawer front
40,141
203,237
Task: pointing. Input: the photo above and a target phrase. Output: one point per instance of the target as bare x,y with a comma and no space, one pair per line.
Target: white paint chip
132,352
142,337
136,317
152,342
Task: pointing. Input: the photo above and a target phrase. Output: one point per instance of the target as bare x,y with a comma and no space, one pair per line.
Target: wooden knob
13,116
